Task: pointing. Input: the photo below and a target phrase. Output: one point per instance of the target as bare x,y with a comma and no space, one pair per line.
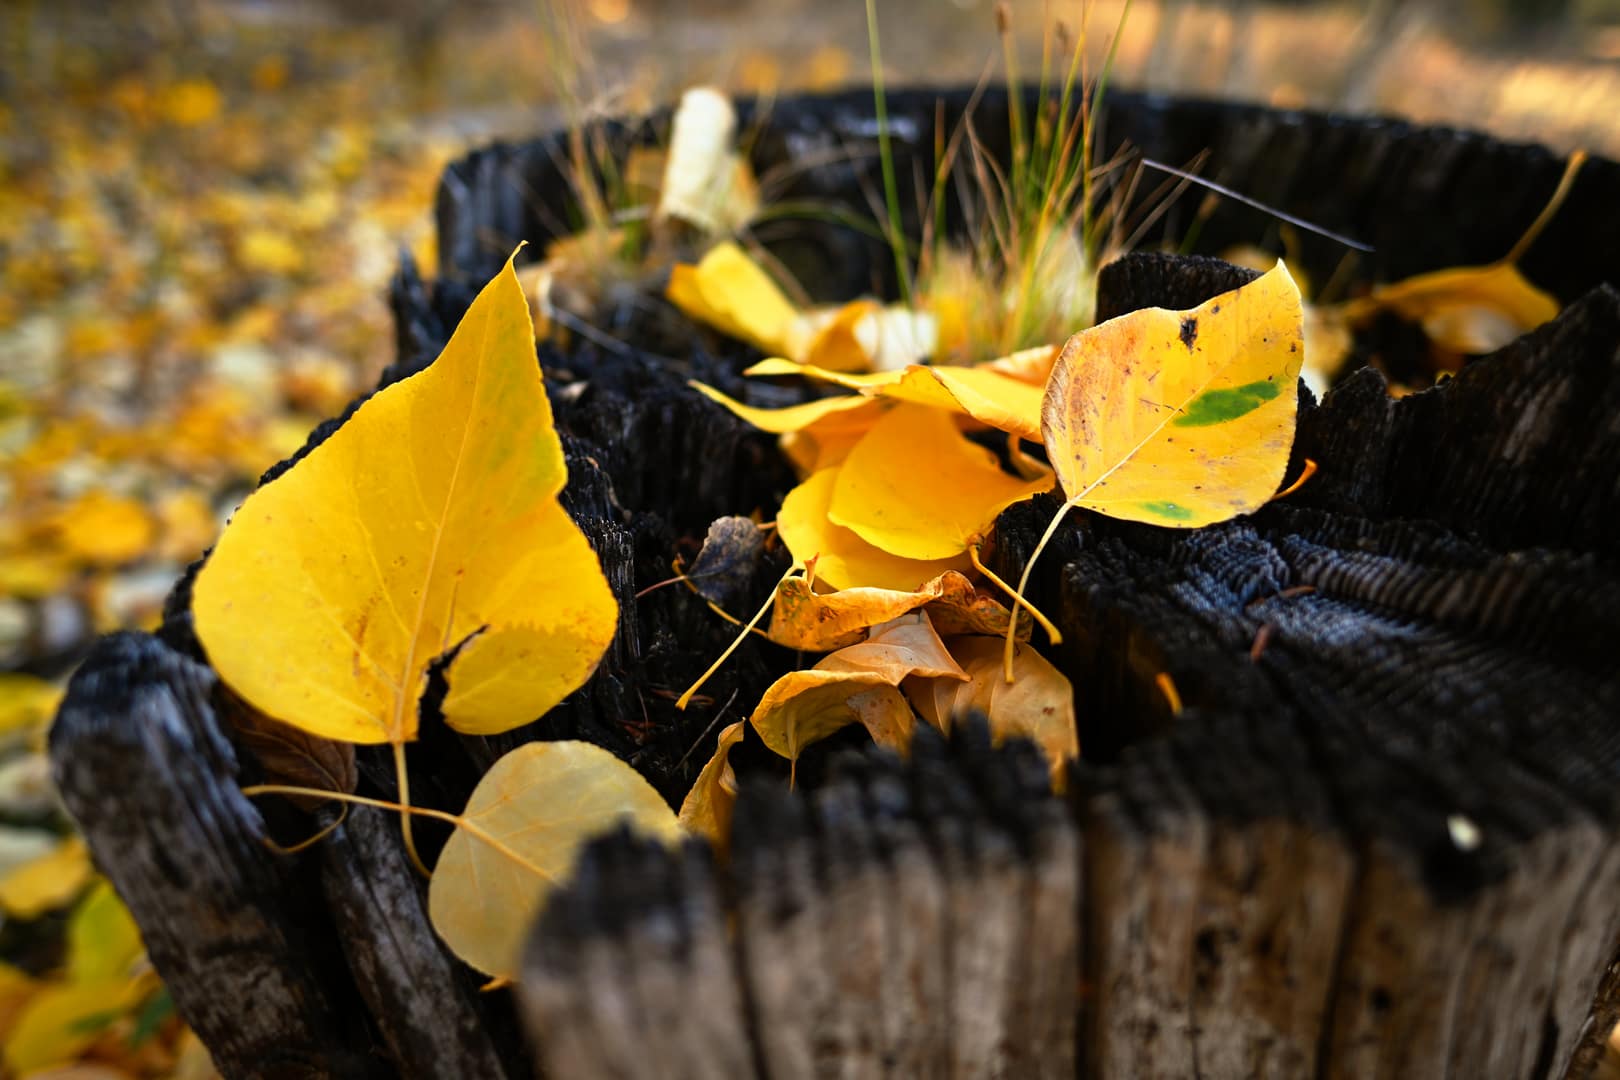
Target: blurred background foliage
201,203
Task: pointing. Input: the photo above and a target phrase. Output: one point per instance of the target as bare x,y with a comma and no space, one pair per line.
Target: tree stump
1377,840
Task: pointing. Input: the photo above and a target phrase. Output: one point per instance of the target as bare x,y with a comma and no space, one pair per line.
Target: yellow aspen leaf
102,529
1003,393
427,523
518,838
1475,309
1469,310
795,417
1032,365
64,1019
916,487
836,339
1037,705
986,395
102,940
706,811
1180,418
849,380
1176,418
33,574
192,102
26,701
730,292
48,882
842,559
804,707
803,618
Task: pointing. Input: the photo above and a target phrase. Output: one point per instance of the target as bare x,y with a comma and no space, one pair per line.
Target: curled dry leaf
428,521
854,685
726,562
1180,418
706,810
518,837
820,621
1037,705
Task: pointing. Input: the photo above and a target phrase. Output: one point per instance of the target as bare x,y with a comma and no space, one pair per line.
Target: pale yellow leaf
518,838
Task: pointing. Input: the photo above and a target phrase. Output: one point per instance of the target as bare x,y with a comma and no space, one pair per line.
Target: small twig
1221,189
719,714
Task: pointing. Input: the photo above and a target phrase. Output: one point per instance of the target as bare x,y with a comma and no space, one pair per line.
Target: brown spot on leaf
1189,331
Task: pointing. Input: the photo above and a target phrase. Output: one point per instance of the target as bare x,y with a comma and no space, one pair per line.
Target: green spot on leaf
1227,403
1169,510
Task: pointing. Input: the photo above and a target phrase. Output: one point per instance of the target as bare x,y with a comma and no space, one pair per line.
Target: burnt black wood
1385,846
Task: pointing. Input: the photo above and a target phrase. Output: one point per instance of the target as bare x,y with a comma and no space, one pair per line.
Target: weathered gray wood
425,1004
916,920
639,945
151,780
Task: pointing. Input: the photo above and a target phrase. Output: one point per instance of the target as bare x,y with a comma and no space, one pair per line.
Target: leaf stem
1023,583
405,810
1018,601
1565,182
686,698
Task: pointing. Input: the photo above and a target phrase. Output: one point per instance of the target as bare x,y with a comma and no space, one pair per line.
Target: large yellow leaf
1180,418
1003,393
1037,705
429,521
524,825
842,559
916,487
